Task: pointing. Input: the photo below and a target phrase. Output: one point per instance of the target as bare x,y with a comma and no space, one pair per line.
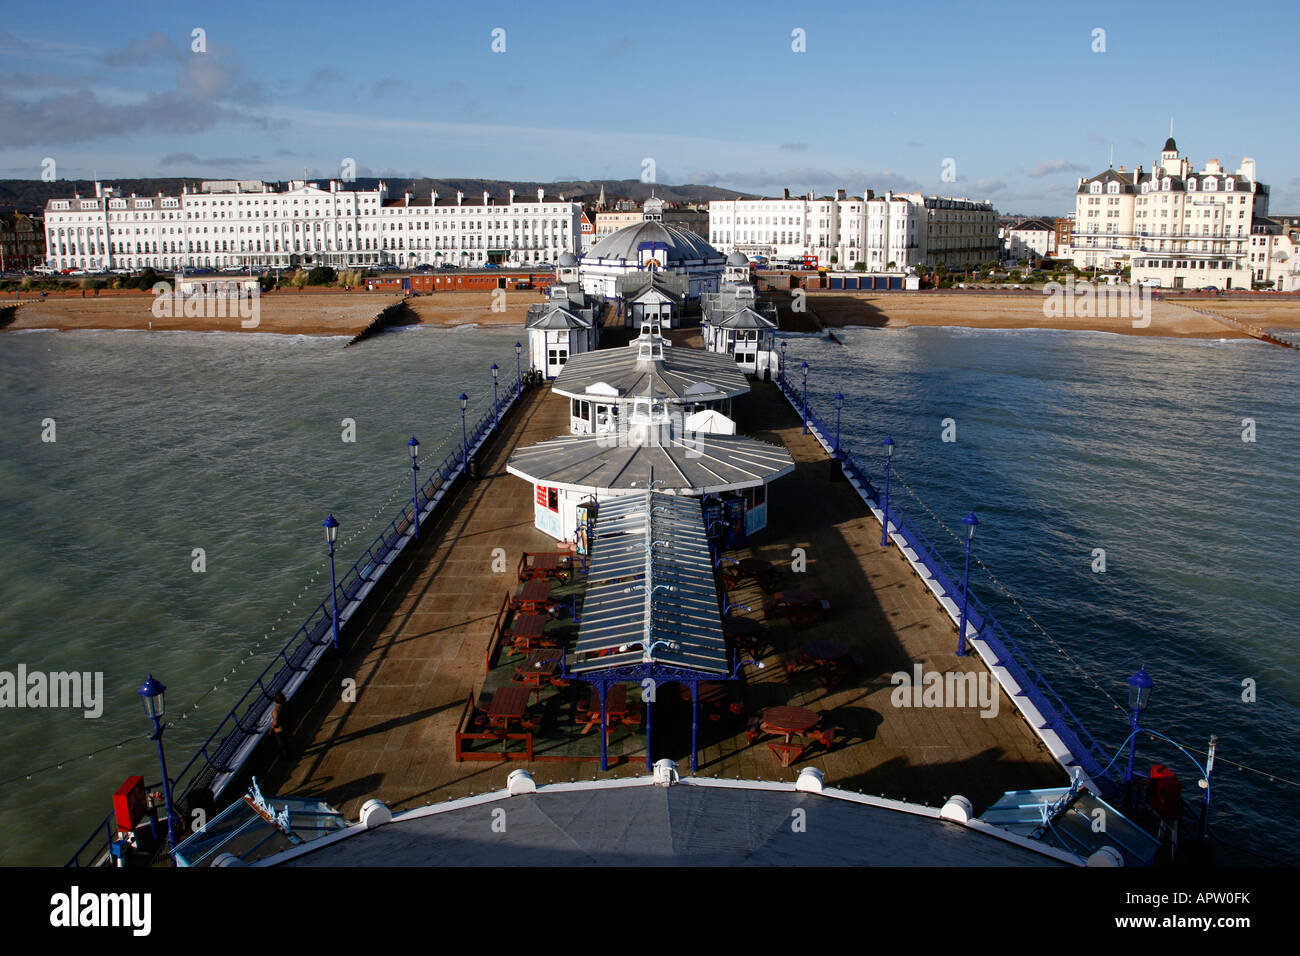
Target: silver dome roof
682,246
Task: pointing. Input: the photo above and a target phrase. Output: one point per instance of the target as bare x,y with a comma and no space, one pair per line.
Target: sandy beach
899,310
335,312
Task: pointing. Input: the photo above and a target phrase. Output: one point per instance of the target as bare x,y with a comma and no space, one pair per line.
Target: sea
161,499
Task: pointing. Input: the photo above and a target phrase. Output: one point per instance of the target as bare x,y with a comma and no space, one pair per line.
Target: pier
417,653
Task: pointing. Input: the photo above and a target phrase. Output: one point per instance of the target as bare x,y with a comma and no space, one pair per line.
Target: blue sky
1014,93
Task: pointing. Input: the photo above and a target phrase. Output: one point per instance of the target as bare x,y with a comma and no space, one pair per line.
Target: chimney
334,185
839,194
541,194
408,198
512,197
460,197
433,199
1137,174
785,193
485,197
1122,169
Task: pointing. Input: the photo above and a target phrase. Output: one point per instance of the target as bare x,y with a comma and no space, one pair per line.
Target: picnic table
800,605
713,694
788,722
539,666
831,659
748,633
508,705
762,571
824,652
534,597
617,710
527,631
544,564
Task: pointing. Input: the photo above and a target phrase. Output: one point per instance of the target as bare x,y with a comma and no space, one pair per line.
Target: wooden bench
472,726
787,753
494,643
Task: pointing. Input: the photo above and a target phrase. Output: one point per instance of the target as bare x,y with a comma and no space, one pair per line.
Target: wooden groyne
399,313
1253,331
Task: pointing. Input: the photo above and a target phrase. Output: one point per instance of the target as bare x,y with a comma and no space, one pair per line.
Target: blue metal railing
220,753
1033,684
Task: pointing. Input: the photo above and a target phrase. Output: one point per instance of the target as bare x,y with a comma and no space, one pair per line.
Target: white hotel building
893,231
239,224
1176,228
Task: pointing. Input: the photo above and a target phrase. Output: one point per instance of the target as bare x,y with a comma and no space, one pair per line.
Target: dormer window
1094,187
1112,187
1164,184
1211,185
1191,185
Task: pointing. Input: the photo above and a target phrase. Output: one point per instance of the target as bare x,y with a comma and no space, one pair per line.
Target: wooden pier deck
418,654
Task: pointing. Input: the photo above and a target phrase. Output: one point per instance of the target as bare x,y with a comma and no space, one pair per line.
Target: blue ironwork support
603,687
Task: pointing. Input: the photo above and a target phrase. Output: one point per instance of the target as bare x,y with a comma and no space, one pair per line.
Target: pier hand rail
1055,712
227,748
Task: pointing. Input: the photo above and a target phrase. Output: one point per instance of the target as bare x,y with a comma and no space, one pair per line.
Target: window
552,499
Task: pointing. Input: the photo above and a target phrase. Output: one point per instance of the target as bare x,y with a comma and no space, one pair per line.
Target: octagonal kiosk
601,385
657,444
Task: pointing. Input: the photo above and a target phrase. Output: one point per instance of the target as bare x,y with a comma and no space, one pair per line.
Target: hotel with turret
1174,226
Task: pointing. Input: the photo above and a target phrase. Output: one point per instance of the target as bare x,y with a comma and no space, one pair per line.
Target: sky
1008,102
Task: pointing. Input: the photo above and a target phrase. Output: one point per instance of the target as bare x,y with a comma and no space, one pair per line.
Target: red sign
541,495
129,804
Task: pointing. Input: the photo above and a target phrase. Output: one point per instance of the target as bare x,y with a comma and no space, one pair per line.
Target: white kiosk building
564,326
736,324
649,415
601,385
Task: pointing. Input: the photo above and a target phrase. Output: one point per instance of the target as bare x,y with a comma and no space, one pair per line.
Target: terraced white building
893,231
230,224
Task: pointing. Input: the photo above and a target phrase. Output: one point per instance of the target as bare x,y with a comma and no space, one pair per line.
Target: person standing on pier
277,727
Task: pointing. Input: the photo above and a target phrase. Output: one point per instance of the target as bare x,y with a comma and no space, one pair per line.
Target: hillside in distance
30,195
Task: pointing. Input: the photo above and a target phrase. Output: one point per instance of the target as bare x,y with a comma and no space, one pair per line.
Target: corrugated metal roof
679,370
694,463
744,319
551,316
651,592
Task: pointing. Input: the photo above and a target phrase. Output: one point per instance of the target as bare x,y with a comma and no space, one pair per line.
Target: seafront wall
1060,731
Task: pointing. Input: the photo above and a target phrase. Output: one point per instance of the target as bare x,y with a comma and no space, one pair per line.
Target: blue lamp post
414,445
519,372
1139,690
839,403
496,409
784,344
151,695
331,526
888,444
970,521
464,436
804,366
